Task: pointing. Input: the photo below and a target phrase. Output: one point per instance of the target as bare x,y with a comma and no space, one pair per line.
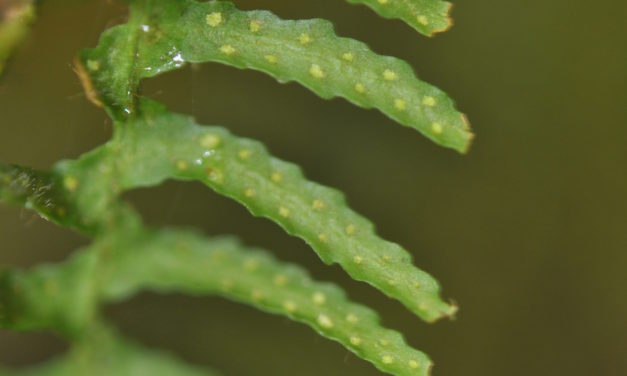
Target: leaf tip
448,24
470,136
453,309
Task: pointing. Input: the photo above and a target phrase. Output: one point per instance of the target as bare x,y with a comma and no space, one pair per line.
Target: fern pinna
151,144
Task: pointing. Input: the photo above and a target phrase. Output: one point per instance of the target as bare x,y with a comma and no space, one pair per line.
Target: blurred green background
528,233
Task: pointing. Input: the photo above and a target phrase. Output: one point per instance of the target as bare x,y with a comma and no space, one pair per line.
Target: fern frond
426,16
308,52
176,261
102,352
150,145
168,260
159,145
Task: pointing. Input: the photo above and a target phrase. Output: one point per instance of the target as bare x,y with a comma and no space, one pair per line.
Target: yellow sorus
227,49
316,71
437,128
255,26
428,101
271,59
390,75
276,177
214,19
400,104
317,204
422,19
304,38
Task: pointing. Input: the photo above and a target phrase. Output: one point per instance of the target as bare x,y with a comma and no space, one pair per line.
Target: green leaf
426,16
151,145
158,145
101,352
162,36
126,262
178,261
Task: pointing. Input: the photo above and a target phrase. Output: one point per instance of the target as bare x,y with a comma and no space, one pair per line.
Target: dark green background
528,233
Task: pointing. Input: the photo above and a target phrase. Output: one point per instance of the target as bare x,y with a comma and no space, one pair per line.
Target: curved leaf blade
308,52
164,145
176,261
159,145
127,262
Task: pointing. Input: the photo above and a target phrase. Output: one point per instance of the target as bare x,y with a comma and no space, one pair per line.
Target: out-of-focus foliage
101,352
15,16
